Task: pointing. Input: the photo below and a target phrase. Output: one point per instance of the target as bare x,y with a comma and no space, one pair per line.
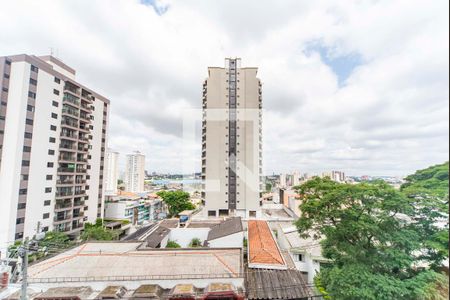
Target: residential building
232,141
52,145
135,172
338,176
112,172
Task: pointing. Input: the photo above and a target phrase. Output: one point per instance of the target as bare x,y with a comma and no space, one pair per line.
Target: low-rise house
306,253
228,233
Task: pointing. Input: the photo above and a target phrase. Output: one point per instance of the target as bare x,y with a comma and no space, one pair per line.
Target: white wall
12,151
184,236
37,181
229,241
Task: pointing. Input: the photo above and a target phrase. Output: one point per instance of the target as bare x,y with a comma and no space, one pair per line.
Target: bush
172,244
196,242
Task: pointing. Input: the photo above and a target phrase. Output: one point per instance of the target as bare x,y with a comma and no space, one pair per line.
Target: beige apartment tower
232,141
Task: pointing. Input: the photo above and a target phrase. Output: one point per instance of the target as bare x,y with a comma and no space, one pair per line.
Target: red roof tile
263,249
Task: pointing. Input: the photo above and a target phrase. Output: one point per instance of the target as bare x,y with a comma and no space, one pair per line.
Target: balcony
69,123
71,99
72,88
57,219
66,170
85,107
70,112
83,138
78,215
68,146
85,117
80,181
63,206
64,182
66,158
83,149
82,192
81,170
78,203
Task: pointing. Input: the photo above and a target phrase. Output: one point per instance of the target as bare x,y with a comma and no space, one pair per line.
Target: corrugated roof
263,249
230,226
276,284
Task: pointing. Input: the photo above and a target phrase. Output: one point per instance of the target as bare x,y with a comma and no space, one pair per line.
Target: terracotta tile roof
263,249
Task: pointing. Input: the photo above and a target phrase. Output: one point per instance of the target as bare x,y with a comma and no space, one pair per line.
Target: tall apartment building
232,141
52,144
111,172
135,172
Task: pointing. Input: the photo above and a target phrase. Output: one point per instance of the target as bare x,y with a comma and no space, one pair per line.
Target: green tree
98,232
177,201
428,191
268,187
172,244
368,232
195,242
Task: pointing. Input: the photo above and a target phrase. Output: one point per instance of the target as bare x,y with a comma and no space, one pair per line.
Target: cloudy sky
358,86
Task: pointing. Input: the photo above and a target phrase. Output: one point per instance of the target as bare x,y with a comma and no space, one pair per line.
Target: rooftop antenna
51,51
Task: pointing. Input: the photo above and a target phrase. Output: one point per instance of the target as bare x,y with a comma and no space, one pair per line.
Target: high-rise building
135,172
338,176
52,144
296,178
112,172
232,141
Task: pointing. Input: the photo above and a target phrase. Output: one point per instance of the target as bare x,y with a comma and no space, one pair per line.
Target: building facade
52,144
135,172
232,141
112,172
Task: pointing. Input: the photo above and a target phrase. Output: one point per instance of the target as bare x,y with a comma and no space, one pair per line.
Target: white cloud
390,116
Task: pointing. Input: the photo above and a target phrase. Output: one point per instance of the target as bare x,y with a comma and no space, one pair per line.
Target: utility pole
23,253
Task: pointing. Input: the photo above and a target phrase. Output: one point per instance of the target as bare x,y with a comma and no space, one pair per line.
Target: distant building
232,141
338,176
134,172
111,172
52,145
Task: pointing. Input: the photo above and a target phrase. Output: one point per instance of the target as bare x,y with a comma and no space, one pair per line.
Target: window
49,177
211,213
28,135
55,91
5,89
19,235
45,229
57,80
48,189
24,177
25,163
53,127
49,165
34,69
20,220
52,140
8,62
29,122
54,116
45,216
22,191
33,81
47,202
55,104
21,205
4,103
51,152
30,107
26,149
2,118
298,257
32,95
252,214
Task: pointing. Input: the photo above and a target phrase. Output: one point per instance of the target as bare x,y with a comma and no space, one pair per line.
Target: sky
358,86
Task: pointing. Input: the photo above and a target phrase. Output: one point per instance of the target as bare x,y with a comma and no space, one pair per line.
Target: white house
306,253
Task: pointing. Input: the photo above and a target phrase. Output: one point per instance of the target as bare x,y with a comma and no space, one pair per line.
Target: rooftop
230,226
113,261
263,251
276,284
155,238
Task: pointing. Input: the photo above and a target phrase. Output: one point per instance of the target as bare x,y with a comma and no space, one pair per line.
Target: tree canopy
177,201
374,237
98,232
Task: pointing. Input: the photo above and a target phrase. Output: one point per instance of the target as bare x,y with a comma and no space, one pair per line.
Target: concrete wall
184,236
